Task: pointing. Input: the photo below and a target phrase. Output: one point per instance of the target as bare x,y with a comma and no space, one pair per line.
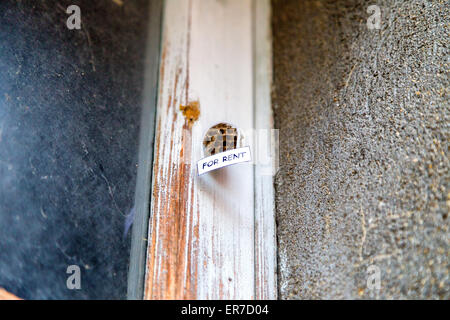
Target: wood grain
202,229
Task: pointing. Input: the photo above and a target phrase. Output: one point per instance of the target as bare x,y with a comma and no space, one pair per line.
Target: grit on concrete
364,130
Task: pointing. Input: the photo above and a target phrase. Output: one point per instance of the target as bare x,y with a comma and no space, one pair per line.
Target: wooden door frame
209,237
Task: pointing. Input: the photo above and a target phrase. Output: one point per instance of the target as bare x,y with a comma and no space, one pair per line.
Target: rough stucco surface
364,129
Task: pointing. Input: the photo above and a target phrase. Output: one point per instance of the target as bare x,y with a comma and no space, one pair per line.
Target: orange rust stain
181,152
196,231
221,291
191,112
170,100
188,50
162,66
173,96
172,261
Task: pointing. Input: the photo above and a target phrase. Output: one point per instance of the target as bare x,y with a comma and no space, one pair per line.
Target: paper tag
224,159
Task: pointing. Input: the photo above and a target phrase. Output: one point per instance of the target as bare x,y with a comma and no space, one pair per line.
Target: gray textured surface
70,106
364,127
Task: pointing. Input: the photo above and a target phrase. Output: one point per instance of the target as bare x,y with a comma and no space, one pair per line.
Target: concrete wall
364,129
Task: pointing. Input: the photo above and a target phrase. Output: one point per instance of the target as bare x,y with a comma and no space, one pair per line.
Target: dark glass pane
70,106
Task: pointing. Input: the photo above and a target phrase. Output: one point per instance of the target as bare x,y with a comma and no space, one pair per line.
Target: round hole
219,138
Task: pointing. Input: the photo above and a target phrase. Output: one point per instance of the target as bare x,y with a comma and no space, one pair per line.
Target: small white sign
224,159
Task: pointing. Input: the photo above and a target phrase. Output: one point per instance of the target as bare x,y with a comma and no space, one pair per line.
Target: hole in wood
219,138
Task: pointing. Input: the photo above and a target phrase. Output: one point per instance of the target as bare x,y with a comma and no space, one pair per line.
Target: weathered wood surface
201,242
266,166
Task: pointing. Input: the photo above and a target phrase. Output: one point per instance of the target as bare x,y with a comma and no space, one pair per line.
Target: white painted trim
265,226
202,240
